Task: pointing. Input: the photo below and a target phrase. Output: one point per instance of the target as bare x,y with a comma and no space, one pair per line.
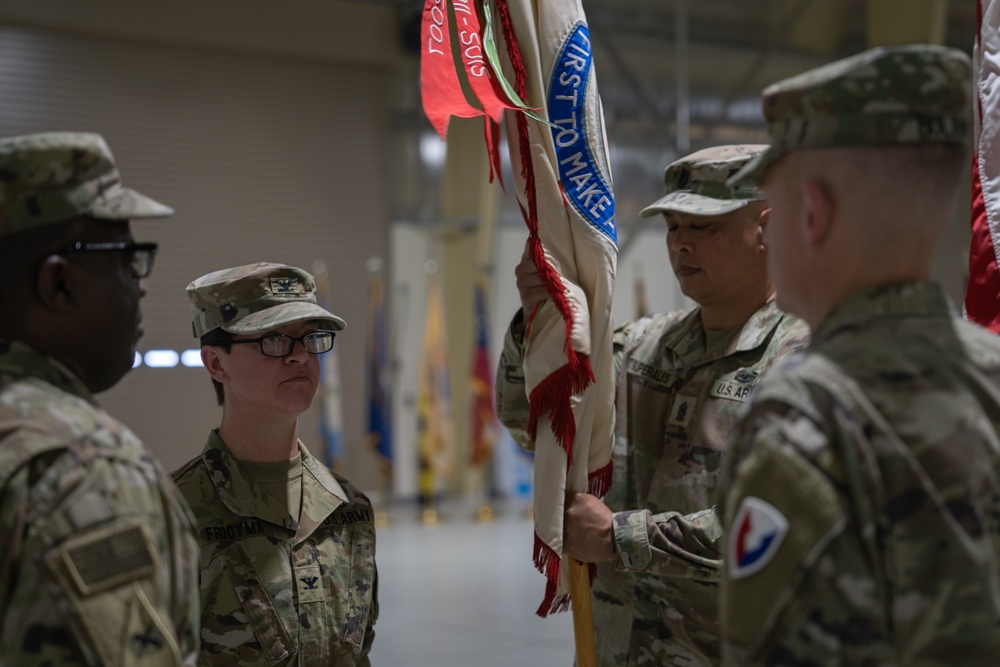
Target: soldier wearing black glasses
287,546
97,562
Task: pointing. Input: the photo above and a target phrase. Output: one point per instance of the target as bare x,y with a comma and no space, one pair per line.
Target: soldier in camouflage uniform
863,486
287,546
683,378
97,562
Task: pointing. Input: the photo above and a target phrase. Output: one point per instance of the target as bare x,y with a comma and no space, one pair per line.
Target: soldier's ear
820,211
762,219
54,286
212,358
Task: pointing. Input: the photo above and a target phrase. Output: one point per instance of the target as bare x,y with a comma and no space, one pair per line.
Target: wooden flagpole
583,614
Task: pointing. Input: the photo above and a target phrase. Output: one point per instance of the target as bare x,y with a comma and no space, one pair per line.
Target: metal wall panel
263,158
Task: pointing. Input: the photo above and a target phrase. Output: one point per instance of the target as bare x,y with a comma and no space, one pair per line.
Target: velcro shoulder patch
781,513
107,558
758,531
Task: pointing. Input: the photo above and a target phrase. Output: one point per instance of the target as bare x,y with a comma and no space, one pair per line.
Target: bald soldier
97,562
863,504
683,378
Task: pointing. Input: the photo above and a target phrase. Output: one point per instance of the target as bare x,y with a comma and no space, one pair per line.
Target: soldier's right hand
529,283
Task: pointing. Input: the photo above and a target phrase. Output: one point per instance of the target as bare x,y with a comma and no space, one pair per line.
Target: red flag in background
484,421
982,294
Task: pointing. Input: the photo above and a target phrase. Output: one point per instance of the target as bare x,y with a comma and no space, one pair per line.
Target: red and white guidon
757,533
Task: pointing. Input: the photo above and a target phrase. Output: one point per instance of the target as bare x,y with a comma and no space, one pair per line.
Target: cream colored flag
563,184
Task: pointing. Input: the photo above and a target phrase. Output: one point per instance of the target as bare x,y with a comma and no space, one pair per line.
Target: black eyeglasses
143,254
279,345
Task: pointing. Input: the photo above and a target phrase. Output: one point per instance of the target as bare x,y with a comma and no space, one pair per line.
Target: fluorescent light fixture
191,358
433,150
161,358
138,360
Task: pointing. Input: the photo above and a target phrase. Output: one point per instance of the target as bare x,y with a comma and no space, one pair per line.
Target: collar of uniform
321,495
688,340
917,299
244,499
20,360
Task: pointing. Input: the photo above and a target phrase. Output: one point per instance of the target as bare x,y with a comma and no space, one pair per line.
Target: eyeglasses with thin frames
143,254
280,345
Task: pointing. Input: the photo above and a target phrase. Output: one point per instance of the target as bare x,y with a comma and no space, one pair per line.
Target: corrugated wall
263,158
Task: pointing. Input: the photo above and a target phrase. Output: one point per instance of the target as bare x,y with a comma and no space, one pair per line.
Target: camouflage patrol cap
696,184
886,96
56,176
256,298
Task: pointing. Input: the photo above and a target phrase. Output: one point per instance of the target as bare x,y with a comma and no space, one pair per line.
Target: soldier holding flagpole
682,380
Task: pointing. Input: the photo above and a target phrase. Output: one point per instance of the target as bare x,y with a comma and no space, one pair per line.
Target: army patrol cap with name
56,176
696,184
886,96
256,298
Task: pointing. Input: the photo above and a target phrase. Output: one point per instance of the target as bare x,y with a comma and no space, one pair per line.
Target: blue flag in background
331,418
377,382
331,424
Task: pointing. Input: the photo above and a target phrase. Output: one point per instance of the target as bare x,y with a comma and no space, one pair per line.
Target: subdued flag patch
758,531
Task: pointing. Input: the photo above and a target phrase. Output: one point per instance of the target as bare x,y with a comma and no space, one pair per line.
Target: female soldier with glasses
287,546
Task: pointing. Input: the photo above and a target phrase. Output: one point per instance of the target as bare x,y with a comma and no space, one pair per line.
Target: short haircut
910,190
21,254
224,339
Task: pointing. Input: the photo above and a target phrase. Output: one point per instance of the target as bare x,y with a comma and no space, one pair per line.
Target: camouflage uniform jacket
276,591
97,562
879,446
678,398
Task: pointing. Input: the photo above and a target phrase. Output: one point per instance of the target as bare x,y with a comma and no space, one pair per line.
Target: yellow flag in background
435,430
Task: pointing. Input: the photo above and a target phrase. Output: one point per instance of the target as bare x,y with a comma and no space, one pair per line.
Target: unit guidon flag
563,184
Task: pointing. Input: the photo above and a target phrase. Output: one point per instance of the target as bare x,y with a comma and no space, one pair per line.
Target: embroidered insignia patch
581,172
757,533
146,642
287,286
735,386
680,413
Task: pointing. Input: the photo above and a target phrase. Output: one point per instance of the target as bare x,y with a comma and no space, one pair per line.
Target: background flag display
485,428
377,385
434,418
331,419
982,296
332,407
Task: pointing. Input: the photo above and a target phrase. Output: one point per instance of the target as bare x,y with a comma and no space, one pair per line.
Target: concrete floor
464,594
